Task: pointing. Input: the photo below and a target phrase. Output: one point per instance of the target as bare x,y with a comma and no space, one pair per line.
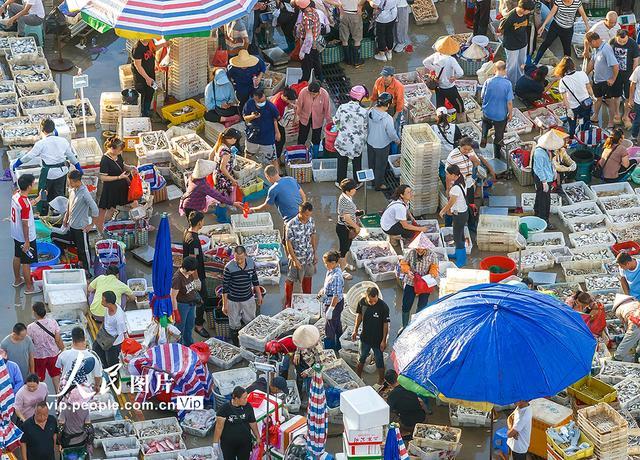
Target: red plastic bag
130,346
420,286
202,350
135,188
238,195
220,58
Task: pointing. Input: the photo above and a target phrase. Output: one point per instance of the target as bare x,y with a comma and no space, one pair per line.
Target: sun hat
475,52
550,141
203,169
421,241
446,45
306,336
442,111
243,59
358,92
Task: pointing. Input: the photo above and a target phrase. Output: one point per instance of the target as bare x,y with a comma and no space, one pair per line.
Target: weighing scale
364,176
144,254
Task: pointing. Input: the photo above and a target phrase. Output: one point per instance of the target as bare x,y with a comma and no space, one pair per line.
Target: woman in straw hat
544,173
420,261
245,72
444,65
198,189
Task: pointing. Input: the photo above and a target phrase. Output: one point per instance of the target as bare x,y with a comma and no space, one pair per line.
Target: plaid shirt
333,285
299,234
419,265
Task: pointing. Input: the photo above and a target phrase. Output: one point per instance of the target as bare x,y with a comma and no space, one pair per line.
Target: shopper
220,100
614,161
396,219
577,94
76,429
108,282
347,225
458,208
261,117
449,133
627,310
467,161
39,435
115,176
544,173
19,348
633,103
445,69
308,31
114,331
351,26
564,166
482,17
515,28
224,159
236,37
381,134
196,198
284,193
185,296
405,404
388,83
313,108
351,122
605,69
28,13
91,366
80,218
53,152
628,55
302,245
27,397
285,101
15,376
519,428
385,18
605,28
23,232
629,279
245,72
241,293
333,294
563,14
235,422
191,246
47,344
497,107
372,313
592,311
419,261
532,85
401,33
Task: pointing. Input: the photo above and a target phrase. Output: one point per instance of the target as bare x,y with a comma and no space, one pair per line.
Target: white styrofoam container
363,408
225,381
131,441
373,434
71,299
138,321
361,450
63,280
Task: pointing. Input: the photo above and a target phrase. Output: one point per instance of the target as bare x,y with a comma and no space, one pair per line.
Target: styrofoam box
63,280
361,449
70,299
363,408
138,321
373,434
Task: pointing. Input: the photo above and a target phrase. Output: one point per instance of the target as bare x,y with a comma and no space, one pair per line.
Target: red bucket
503,262
329,137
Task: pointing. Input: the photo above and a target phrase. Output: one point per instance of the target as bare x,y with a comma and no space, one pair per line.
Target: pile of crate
112,109
497,233
188,69
420,158
607,429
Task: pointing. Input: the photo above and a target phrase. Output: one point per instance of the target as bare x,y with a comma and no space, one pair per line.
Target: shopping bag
420,286
135,188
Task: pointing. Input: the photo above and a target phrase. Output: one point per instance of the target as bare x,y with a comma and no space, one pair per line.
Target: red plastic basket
630,247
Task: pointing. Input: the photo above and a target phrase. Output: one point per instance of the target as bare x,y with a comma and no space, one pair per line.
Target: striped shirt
418,264
346,206
464,162
238,283
333,285
565,17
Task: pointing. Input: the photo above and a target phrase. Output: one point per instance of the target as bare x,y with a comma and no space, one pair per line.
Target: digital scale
364,176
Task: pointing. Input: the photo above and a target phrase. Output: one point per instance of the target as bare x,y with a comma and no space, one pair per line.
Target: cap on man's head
387,71
281,384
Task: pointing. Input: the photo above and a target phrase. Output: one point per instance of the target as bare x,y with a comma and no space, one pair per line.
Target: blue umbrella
162,271
495,343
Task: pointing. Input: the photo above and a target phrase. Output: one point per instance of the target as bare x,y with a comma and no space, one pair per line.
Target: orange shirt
395,89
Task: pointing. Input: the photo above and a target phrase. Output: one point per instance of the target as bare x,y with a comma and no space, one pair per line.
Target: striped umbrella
317,416
9,434
135,19
394,448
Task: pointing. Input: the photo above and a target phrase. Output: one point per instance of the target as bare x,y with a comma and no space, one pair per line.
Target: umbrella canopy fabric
495,343
9,434
394,448
162,271
317,417
160,18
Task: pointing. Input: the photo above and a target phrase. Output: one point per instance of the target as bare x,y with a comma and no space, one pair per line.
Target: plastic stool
36,32
500,441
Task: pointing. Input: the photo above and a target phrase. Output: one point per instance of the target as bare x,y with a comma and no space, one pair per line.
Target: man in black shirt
39,434
234,424
373,314
407,406
515,29
627,54
143,68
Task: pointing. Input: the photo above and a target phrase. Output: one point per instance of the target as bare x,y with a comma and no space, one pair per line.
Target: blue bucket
47,248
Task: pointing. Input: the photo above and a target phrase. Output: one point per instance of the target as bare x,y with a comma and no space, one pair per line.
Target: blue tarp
495,343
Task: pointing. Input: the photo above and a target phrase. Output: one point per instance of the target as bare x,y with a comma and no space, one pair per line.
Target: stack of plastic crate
420,161
188,68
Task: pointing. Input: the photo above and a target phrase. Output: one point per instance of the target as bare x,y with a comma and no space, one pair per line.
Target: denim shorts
365,349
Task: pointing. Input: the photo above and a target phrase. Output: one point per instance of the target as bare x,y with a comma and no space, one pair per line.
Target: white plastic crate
90,112
360,262
206,415
619,202
307,303
527,201
582,224
225,381
587,193
293,401
134,283
257,221
218,362
544,240
66,300
396,170
88,150
451,250
132,451
97,442
199,452
615,189
604,238
169,455
383,276
579,210
170,423
63,280
624,216
253,342
590,268
325,170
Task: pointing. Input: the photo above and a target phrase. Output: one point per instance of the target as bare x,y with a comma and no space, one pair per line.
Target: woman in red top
592,311
282,100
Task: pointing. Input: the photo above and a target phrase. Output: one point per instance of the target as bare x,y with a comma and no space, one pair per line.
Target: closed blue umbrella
495,343
162,271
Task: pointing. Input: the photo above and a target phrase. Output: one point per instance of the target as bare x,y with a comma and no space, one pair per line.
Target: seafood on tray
165,444
381,267
577,192
261,327
75,110
602,282
599,237
433,432
372,252
223,351
258,238
201,420
117,429
155,140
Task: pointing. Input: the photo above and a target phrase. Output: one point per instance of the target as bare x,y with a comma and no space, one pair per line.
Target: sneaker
389,55
380,57
483,142
399,48
35,290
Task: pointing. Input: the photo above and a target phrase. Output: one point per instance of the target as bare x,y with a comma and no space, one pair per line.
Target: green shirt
102,284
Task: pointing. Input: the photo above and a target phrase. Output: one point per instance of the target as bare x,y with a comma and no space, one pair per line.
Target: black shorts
20,254
623,79
603,90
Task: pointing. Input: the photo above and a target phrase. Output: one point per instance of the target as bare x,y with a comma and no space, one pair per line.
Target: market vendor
245,72
519,430
629,274
143,67
562,161
28,12
301,247
191,246
235,425
449,133
627,309
531,86
388,83
308,352
544,173
54,152
220,100
333,294
278,385
373,314
591,310
405,405
396,219
110,281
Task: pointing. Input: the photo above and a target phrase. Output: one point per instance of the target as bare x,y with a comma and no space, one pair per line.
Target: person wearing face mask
261,118
285,102
314,111
224,159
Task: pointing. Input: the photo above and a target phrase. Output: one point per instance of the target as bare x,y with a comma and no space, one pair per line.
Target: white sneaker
380,57
399,48
389,55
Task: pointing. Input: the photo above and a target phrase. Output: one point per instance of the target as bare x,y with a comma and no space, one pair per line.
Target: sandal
17,285
347,276
349,268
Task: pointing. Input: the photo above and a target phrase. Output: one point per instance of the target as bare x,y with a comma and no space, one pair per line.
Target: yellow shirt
104,283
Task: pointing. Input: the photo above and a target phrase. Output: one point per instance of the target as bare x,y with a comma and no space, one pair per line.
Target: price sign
80,81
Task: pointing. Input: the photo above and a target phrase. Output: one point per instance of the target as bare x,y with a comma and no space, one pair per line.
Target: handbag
598,170
104,339
584,104
420,286
431,81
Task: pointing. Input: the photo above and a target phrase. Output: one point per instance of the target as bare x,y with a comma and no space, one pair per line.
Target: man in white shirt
79,365
519,430
606,30
30,12
54,152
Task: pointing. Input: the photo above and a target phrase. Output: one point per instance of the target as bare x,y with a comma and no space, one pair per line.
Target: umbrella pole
491,438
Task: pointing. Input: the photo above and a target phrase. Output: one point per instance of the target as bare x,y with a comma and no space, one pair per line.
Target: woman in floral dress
351,121
224,157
